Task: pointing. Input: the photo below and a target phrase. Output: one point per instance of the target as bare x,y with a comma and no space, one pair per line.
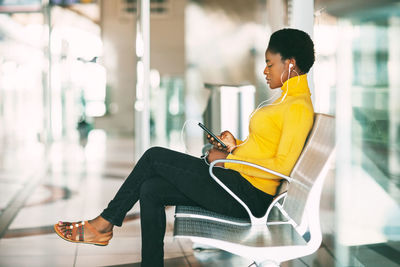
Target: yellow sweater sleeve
297,122
238,142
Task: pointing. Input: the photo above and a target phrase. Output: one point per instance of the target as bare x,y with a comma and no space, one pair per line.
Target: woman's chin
272,86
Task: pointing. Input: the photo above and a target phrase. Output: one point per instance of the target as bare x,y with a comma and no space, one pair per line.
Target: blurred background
77,98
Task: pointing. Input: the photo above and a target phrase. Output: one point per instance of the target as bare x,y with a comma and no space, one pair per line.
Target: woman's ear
292,64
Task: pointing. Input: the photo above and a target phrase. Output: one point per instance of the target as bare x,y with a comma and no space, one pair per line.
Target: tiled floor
78,184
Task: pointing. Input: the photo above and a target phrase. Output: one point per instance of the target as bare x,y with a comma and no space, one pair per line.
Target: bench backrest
314,157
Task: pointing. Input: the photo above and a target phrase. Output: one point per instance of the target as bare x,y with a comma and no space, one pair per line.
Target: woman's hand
228,139
214,154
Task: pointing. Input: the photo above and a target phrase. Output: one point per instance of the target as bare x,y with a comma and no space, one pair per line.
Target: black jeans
164,177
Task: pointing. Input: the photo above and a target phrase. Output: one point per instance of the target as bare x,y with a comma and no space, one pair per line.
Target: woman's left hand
214,154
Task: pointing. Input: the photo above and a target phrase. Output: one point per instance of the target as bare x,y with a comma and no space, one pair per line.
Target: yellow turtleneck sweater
277,134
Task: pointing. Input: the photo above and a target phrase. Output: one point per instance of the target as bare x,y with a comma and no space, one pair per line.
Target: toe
60,228
62,231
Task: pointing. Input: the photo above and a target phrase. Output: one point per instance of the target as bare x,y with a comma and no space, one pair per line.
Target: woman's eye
269,66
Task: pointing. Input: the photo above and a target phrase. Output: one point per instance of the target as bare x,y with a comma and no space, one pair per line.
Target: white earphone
288,77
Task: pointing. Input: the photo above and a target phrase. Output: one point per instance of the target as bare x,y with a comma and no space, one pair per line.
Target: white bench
295,232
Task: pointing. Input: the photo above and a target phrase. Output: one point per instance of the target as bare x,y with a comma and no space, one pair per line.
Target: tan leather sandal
75,233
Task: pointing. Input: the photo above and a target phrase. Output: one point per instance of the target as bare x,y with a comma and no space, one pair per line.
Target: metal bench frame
266,240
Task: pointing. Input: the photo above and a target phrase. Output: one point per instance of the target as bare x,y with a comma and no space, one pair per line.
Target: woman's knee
154,151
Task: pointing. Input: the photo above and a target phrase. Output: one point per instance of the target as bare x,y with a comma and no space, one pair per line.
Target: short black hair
293,43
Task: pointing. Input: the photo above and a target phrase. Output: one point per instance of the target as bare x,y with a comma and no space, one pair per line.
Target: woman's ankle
101,224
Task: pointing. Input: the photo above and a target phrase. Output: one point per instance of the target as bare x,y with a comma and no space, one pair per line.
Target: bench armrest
287,178
254,220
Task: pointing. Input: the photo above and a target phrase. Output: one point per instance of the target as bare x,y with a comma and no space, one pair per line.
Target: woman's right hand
226,137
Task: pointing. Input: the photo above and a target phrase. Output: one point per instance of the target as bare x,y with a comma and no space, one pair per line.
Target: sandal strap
74,231
68,232
80,231
91,228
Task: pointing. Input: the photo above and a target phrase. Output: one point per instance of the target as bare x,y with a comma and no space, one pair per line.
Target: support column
277,11
301,16
47,92
142,104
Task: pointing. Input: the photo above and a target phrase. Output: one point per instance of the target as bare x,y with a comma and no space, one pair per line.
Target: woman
161,177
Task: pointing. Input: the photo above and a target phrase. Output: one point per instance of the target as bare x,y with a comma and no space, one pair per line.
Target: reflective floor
77,184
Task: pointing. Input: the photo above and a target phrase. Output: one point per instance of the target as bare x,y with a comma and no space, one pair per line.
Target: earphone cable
182,134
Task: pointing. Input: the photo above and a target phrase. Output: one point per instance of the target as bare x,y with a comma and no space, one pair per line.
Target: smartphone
213,135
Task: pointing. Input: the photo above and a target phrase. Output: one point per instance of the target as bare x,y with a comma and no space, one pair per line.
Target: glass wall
22,76
360,56
167,110
78,78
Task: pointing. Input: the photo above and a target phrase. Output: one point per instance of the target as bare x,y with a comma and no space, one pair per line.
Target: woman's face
275,69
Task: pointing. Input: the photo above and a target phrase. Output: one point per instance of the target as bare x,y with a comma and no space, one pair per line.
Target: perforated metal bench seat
273,235
198,212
